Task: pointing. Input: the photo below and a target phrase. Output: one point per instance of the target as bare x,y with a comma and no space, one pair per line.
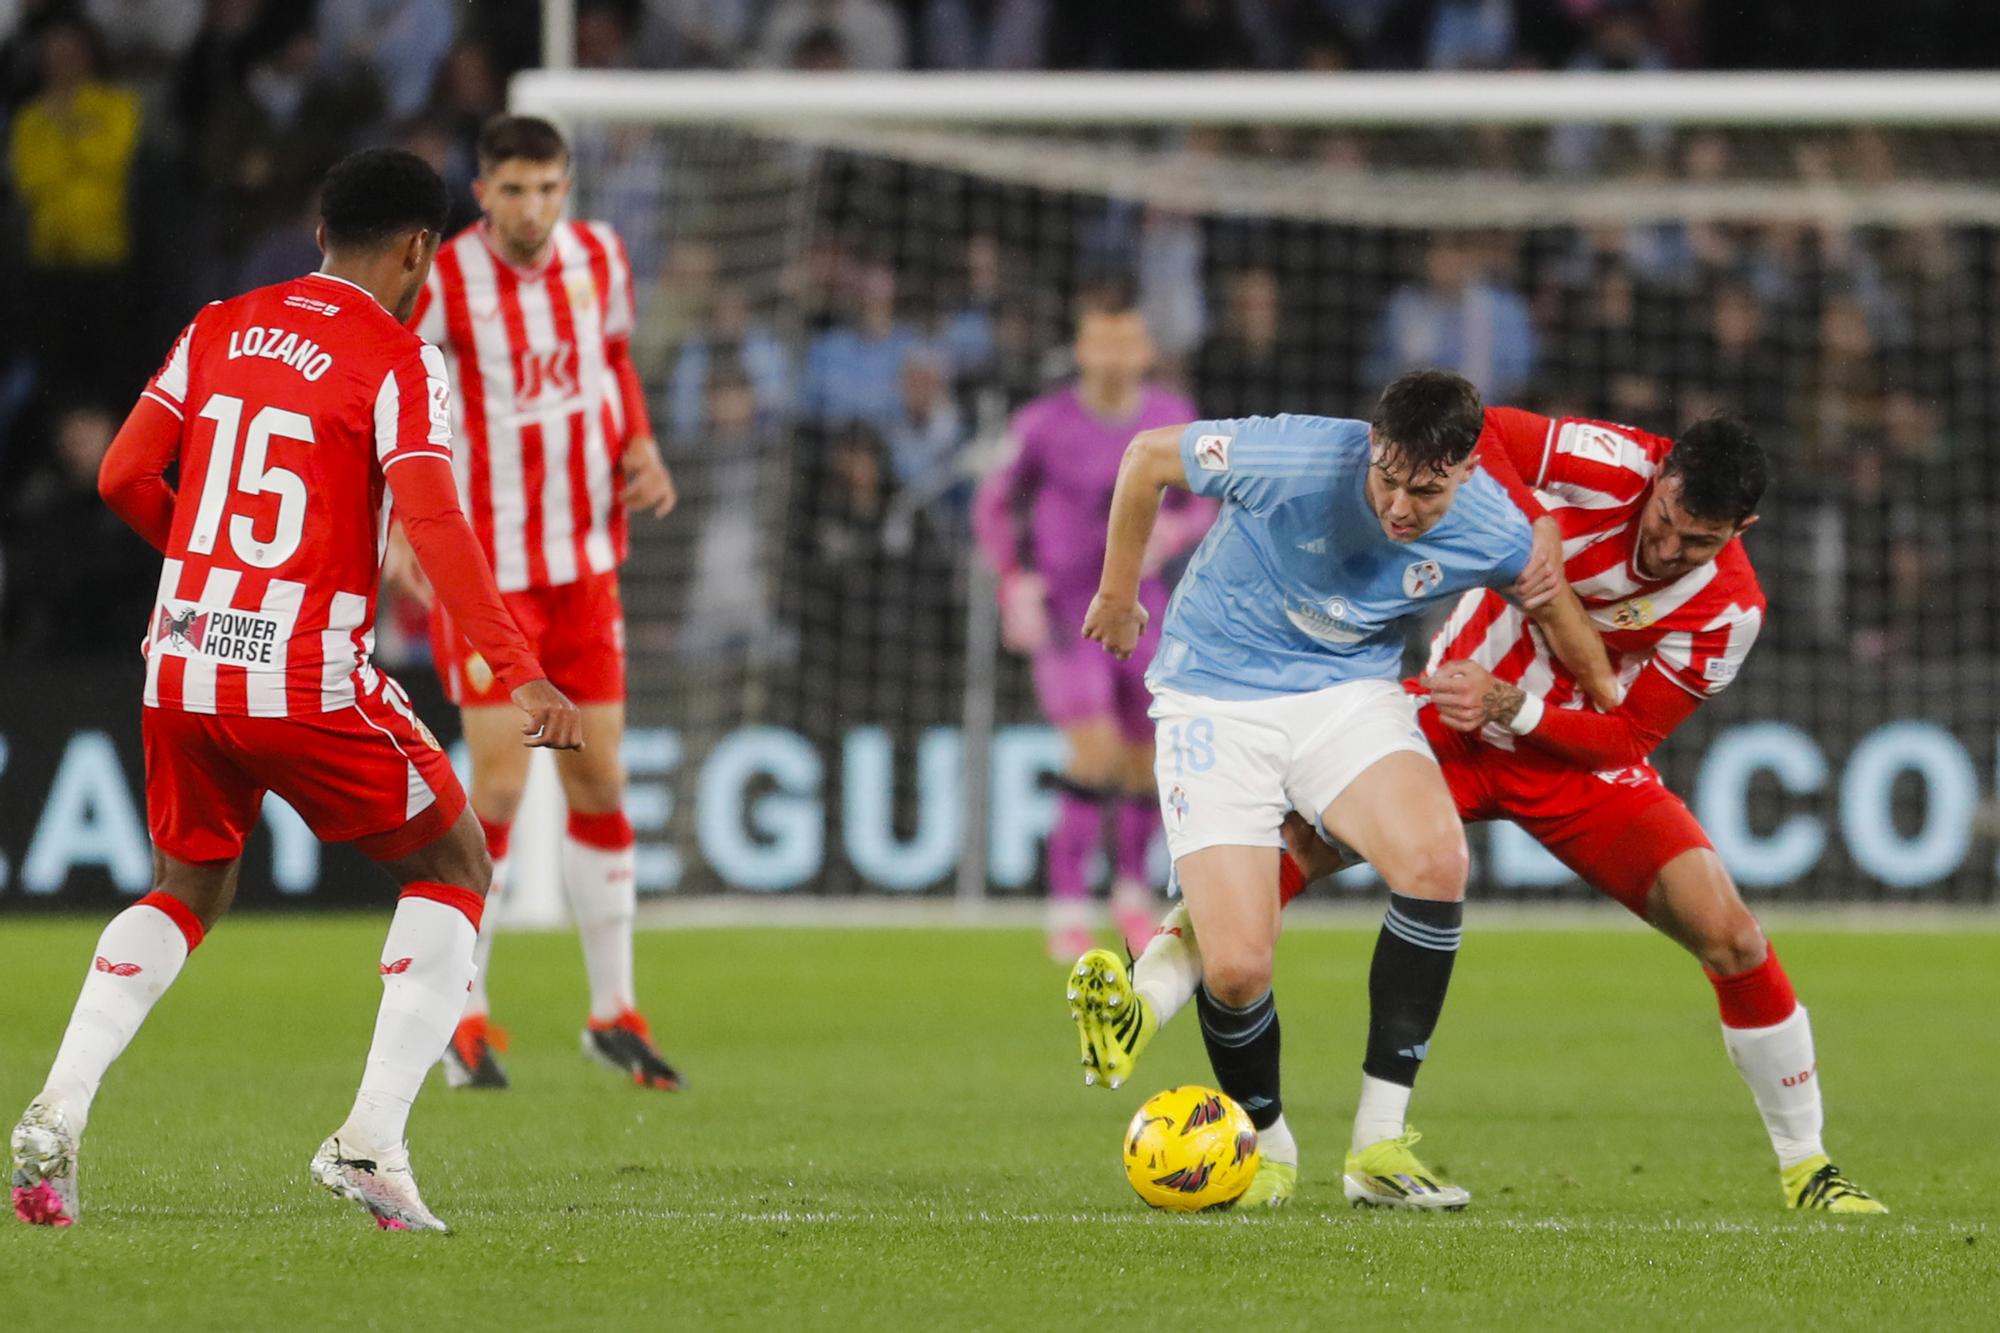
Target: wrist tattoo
1503,701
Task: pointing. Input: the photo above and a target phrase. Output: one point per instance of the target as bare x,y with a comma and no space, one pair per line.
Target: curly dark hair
372,197
1722,469
1429,420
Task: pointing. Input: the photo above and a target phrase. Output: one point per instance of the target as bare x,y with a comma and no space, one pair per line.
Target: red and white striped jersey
1594,479
294,401
539,415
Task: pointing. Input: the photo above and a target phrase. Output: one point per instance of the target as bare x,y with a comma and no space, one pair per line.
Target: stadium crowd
160,153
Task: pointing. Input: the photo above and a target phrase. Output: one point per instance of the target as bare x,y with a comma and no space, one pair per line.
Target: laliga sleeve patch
1212,452
438,384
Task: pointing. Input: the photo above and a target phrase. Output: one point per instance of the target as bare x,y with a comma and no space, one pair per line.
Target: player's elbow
1153,459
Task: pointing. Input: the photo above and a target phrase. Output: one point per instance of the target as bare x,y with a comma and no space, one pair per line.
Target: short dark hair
373,196
1429,420
506,138
1722,469
1107,294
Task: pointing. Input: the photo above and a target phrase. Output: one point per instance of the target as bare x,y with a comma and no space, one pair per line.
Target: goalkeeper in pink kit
1040,519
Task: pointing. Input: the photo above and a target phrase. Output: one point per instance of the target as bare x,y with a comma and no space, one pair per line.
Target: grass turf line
884,1129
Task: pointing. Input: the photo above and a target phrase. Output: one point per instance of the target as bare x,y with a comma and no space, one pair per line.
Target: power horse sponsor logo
228,637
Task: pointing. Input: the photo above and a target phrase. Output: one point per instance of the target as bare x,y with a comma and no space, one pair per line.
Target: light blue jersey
1297,588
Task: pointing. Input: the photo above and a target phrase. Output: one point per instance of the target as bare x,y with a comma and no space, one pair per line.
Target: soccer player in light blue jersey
1276,686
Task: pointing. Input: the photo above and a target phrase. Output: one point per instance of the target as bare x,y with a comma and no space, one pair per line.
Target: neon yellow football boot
1817,1184
1272,1187
1386,1174
1113,1022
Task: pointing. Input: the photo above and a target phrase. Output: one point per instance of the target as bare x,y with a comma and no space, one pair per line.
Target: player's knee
497,800
1438,870
1237,974
1733,945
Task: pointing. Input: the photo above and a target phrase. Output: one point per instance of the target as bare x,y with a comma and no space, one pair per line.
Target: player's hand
649,487
1115,622
1542,578
401,572
1302,840
1024,612
1458,692
553,721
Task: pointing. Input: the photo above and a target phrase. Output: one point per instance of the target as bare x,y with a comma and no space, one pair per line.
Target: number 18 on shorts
1229,769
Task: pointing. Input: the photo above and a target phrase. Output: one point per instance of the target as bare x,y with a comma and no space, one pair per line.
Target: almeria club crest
187,629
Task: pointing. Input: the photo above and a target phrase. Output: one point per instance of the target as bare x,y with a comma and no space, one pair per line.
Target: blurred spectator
1249,366
468,93
605,34
696,34
400,43
271,140
673,307
729,603
871,36
926,435
1839,400
212,69
145,38
750,350
70,154
78,581
854,372
967,333
1171,292
821,51
1733,365
984,34
1457,319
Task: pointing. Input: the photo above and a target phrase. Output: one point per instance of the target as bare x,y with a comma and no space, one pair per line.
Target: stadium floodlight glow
1266,99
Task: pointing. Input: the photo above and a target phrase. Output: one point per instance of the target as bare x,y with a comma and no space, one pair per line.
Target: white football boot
378,1179
45,1146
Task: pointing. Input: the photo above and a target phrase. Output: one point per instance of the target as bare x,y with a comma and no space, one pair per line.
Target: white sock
604,899
1277,1144
1777,1062
1380,1113
426,969
482,948
1169,968
138,956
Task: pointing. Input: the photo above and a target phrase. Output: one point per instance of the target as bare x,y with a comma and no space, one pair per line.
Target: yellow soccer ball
1190,1148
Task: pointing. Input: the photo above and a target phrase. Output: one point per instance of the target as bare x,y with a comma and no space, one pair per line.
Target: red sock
1291,879
1759,998
497,834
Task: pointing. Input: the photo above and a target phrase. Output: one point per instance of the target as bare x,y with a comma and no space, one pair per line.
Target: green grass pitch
885,1130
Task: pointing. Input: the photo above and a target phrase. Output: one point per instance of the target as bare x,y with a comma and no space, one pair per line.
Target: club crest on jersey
1635,614
1422,578
1211,452
1328,621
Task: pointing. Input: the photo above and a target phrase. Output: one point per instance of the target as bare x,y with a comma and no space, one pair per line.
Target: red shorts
1616,831
370,774
576,629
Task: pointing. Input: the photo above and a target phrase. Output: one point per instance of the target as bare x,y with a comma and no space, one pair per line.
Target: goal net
845,287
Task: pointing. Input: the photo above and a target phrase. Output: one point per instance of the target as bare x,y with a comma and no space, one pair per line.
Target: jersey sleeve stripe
165,402
388,410
414,453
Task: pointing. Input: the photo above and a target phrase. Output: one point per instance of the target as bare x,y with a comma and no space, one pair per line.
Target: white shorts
1230,769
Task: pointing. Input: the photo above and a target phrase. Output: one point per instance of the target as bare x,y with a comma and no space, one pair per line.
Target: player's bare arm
1152,462
649,486
1574,639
